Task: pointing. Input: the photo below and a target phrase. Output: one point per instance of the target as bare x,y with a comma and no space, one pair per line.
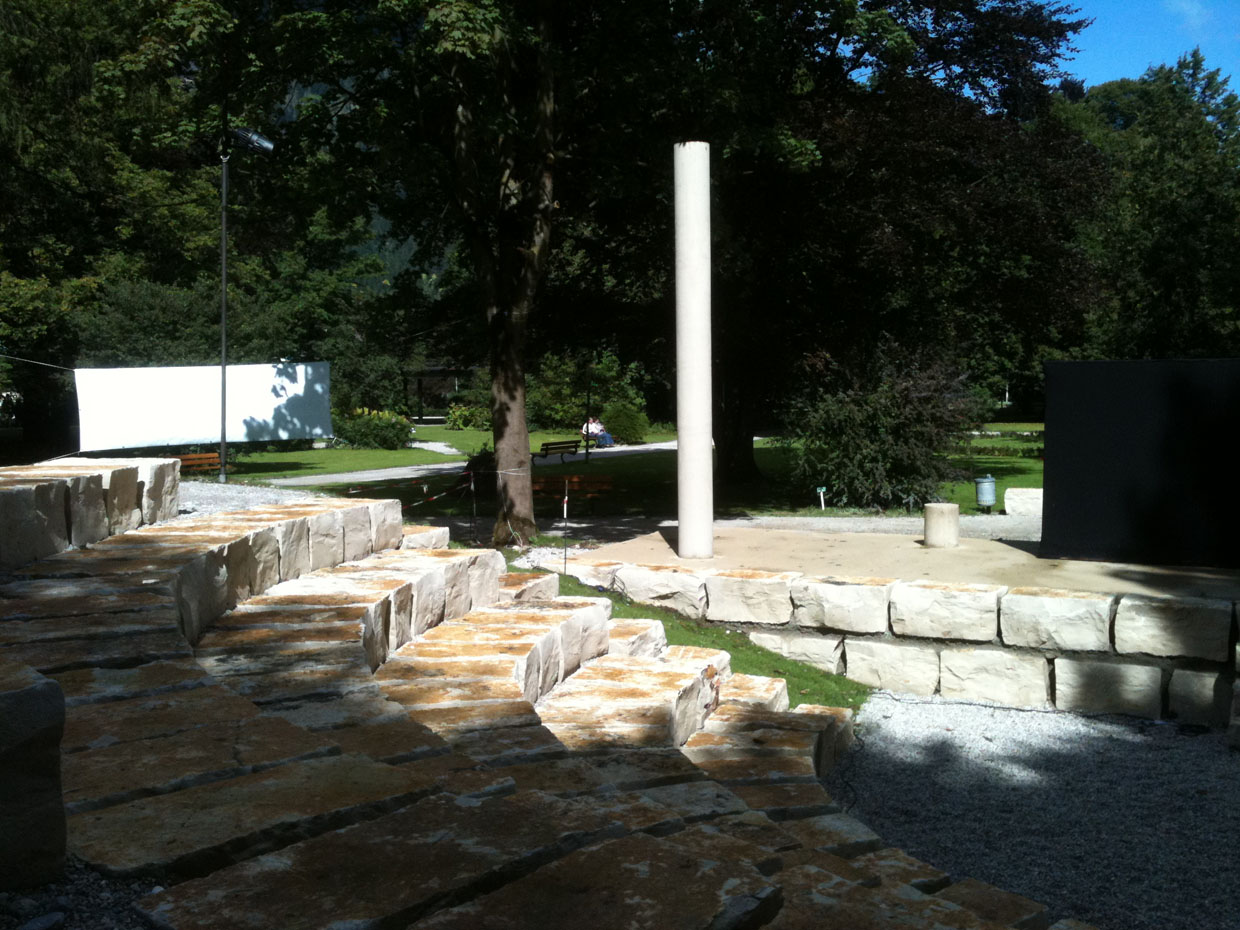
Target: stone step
528,586
755,690
398,869
629,637
198,830
830,728
994,904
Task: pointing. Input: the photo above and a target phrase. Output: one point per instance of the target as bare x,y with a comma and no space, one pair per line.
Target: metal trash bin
985,492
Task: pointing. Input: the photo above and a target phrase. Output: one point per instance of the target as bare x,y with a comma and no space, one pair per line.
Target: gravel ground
1126,824
81,900
199,497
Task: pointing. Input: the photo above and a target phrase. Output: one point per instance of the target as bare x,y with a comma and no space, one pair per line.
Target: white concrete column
694,452
942,529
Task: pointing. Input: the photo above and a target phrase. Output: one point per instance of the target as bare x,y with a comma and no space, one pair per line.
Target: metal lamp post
254,142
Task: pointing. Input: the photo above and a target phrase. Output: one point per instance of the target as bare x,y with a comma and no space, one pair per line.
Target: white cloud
1194,15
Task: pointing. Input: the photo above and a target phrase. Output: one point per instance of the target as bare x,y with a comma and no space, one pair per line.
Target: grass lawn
262,465
806,684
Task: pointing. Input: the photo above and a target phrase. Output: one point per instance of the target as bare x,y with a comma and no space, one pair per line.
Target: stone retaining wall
1040,647
72,502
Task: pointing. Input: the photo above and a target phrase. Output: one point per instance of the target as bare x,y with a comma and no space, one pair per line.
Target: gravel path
1125,824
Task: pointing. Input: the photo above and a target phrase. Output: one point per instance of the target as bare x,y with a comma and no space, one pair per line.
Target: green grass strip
806,684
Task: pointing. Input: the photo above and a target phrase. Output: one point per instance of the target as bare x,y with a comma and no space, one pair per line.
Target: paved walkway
421,471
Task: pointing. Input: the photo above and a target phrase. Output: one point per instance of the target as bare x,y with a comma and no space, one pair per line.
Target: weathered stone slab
32,522
89,626
750,597
945,611
991,903
202,593
825,652
1181,626
816,897
528,586
293,538
1046,618
1023,502
912,668
32,815
854,605
103,685
363,875
895,866
991,673
837,834
424,537
135,769
635,637
597,573
664,585
792,801
756,691
727,888
227,821
1108,686
326,539
120,485
96,726
1200,697
385,524
110,652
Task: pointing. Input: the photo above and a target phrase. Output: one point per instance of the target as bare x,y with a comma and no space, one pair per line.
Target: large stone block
664,585
33,521
424,537
1195,627
1108,686
825,652
32,813
326,539
945,611
355,524
485,569
1200,697
159,488
202,593
120,485
1046,618
750,597
991,673
1022,502
894,665
853,605
385,525
293,536
88,514
598,573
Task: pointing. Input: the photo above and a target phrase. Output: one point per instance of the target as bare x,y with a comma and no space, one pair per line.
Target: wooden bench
562,447
587,486
200,461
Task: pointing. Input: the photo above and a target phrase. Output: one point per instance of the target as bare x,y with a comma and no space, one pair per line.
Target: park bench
578,486
200,461
561,447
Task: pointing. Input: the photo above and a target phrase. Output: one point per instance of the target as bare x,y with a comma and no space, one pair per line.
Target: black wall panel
1141,462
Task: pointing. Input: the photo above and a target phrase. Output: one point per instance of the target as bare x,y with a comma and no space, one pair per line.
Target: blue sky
1130,35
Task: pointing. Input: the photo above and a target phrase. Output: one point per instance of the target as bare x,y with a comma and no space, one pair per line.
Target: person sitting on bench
593,429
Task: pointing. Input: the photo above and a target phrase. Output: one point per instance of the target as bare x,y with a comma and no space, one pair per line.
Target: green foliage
627,424
557,390
373,429
877,435
467,416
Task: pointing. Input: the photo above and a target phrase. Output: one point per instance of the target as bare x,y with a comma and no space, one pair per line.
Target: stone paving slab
101,685
991,903
227,821
99,725
625,883
133,769
89,626
392,871
787,801
112,652
894,866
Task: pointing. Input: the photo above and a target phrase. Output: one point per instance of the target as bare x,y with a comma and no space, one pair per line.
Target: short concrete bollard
942,526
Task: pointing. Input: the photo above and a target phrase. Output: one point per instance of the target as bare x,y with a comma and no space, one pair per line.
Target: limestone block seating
1023,646
304,767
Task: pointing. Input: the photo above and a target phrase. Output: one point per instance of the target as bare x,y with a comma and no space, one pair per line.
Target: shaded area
1124,824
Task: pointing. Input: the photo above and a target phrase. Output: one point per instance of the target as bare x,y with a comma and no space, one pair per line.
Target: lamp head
253,140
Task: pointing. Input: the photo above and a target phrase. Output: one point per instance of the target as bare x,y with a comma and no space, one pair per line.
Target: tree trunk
514,521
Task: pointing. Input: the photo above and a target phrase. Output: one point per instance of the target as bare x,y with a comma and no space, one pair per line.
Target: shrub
626,423
878,434
467,416
374,429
